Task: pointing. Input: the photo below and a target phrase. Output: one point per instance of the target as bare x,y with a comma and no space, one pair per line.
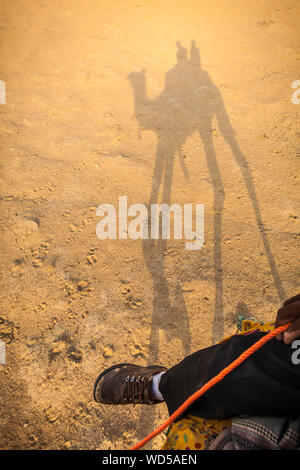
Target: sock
154,387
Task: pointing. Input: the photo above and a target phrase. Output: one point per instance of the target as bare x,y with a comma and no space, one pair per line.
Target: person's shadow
188,103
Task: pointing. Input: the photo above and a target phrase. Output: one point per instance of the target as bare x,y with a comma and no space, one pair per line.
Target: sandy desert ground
161,101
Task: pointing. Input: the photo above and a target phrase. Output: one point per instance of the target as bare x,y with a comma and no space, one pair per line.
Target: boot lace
135,387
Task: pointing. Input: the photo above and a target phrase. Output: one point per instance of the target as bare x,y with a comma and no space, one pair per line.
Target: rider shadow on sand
188,104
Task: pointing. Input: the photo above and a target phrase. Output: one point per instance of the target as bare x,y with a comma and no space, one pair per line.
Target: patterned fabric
259,433
194,433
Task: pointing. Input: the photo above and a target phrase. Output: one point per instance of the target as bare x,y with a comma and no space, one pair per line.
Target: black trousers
266,384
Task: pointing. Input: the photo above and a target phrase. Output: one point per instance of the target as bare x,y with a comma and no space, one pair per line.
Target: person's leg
267,383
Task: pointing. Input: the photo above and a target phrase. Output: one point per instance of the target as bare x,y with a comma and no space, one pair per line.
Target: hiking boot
124,384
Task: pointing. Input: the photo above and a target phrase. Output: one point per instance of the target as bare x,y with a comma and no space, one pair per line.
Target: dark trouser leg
266,384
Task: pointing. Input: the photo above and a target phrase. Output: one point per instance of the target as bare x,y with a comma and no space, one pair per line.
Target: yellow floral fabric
195,433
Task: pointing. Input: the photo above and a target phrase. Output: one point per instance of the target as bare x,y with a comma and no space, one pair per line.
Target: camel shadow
189,102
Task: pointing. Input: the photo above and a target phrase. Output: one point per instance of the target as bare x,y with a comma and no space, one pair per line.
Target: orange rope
211,383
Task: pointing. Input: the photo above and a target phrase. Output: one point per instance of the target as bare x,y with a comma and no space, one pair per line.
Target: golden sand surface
161,101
